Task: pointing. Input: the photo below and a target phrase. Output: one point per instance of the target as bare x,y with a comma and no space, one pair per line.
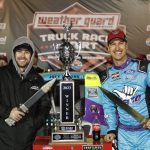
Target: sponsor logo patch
130,71
129,76
115,75
34,87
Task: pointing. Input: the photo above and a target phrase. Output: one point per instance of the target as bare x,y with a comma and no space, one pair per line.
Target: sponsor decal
82,21
128,94
133,100
130,71
148,41
3,40
115,75
148,28
92,92
47,148
148,56
34,88
91,78
3,54
130,77
2,26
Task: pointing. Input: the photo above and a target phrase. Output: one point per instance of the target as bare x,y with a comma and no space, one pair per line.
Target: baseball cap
116,34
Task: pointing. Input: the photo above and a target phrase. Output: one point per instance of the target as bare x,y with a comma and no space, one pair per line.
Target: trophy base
67,137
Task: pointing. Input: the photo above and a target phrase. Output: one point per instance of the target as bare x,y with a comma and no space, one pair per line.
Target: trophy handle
56,48
79,49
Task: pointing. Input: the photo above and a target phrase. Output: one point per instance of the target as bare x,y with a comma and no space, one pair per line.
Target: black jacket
15,91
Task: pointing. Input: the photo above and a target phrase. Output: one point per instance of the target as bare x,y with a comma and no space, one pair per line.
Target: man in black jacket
18,82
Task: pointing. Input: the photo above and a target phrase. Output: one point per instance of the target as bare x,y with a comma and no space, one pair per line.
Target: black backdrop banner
42,21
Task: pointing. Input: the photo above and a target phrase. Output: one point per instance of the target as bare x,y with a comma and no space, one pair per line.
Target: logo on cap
116,34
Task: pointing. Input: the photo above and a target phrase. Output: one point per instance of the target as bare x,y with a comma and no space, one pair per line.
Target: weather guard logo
82,21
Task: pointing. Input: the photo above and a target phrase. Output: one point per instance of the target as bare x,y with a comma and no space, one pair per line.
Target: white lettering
3,40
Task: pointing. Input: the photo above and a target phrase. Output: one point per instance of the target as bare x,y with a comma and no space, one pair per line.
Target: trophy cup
68,129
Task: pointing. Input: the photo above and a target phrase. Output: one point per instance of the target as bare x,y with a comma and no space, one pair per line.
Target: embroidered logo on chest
130,71
34,87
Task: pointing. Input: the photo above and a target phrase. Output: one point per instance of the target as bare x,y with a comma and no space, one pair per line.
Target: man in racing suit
127,81
18,82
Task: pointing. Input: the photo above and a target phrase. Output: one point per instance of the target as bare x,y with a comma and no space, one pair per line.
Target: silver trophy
67,52
68,129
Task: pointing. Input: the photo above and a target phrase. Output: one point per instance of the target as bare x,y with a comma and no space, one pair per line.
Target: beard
22,65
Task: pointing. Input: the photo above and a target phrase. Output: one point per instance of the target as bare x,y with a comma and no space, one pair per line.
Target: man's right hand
109,137
16,115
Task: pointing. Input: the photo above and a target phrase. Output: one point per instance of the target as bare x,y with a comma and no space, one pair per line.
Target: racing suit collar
123,65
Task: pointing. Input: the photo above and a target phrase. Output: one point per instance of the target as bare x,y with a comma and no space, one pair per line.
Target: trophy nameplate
67,102
67,128
65,137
